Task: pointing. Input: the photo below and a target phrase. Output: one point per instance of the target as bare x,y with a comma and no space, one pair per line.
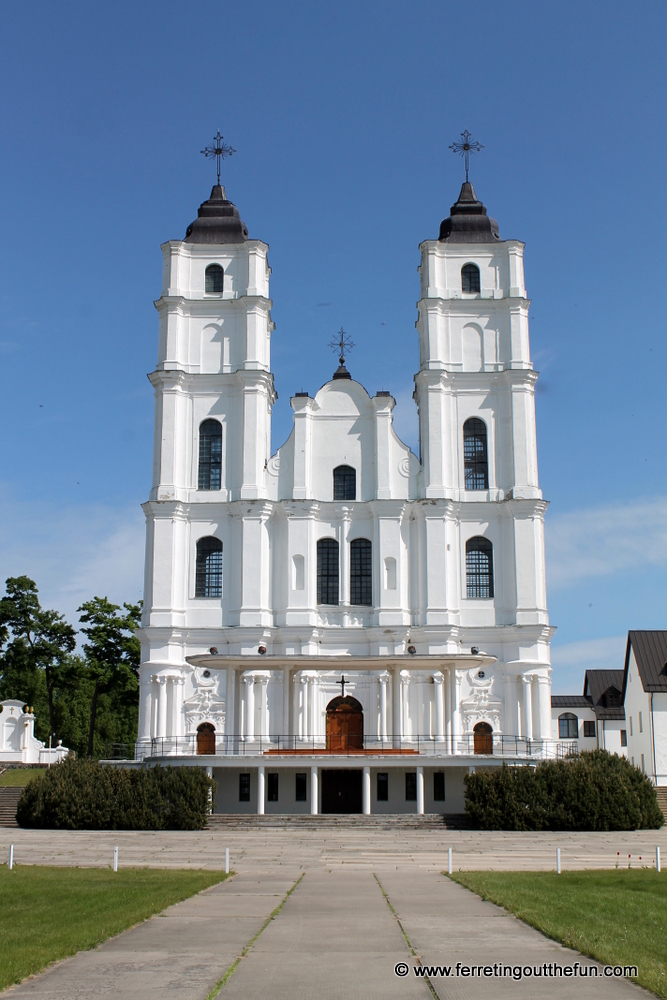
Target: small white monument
17,737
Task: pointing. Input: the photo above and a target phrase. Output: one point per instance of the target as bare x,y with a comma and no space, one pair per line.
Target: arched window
210,455
475,463
470,278
345,483
361,572
327,571
568,726
479,567
208,575
215,278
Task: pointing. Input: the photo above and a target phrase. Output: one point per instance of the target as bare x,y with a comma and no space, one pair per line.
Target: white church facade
344,625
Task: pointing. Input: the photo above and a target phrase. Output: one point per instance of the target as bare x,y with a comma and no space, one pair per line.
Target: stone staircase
9,799
661,792
336,821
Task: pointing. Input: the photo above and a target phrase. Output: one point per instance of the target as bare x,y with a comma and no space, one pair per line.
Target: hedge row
594,791
83,795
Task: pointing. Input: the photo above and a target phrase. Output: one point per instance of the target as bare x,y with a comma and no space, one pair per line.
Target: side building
344,626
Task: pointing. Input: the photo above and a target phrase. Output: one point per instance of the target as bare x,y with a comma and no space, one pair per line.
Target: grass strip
235,964
18,777
49,913
617,917
405,935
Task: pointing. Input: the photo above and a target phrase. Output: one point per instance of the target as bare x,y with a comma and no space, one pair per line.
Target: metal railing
216,745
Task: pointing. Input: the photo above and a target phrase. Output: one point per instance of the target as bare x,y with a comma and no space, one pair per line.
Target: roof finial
465,147
343,345
219,149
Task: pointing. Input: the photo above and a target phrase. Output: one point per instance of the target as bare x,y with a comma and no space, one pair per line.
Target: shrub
83,795
594,791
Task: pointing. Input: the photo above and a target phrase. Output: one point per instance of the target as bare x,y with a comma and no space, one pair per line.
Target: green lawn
48,913
617,917
18,777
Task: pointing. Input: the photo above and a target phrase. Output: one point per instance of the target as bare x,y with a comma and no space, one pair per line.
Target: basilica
344,626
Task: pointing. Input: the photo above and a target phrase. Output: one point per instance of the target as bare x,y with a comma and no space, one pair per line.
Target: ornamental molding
481,705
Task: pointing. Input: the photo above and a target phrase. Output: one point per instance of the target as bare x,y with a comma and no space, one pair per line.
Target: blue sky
342,115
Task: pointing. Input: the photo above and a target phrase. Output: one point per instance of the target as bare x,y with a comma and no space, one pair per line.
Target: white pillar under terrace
260,790
439,682
448,706
366,791
420,791
456,712
314,791
312,705
145,702
405,703
230,725
510,720
303,708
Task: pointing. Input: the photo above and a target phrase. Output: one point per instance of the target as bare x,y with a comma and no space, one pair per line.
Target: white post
264,707
420,791
115,859
366,792
314,792
314,722
303,717
456,714
227,860
558,860
439,682
10,860
384,678
260,790
450,867
657,858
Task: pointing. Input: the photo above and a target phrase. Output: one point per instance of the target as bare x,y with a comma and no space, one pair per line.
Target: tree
36,640
113,652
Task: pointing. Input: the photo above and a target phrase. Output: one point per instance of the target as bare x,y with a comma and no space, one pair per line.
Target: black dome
468,222
217,221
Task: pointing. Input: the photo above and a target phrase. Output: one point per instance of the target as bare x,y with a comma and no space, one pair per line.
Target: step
337,821
9,799
661,792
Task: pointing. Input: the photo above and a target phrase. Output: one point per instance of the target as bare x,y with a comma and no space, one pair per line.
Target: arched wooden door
345,725
206,738
483,738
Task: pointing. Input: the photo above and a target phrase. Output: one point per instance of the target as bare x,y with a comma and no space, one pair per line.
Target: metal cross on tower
465,147
343,345
219,149
342,683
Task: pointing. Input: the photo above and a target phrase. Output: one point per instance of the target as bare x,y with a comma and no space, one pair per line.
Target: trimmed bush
83,795
594,791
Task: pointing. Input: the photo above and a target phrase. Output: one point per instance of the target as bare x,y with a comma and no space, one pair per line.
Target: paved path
336,936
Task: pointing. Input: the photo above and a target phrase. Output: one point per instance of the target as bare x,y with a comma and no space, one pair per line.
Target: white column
230,726
405,702
287,696
420,791
177,707
146,698
344,559
162,707
314,721
366,792
384,679
396,699
260,790
439,682
264,707
509,685
303,708
448,707
527,706
456,714
314,791
249,720
544,701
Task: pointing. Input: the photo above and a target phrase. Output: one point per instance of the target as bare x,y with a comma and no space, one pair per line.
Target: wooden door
483,738
206,738
345,725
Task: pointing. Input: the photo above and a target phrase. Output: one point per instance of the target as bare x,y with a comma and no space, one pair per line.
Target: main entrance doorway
341,791
345,725
483,738
205,738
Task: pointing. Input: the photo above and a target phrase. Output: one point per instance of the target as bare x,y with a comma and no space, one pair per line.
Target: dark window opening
345,483
272,788
410,787
479,568
244,788
383,786
475,462
215,278
589,728
438,786
361,572
210,455
301,787
327,571
208,575
470,278
624,737
568,726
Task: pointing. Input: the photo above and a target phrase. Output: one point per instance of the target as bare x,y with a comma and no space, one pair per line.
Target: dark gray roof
605,690
650,649
217,221
468,222
569,701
